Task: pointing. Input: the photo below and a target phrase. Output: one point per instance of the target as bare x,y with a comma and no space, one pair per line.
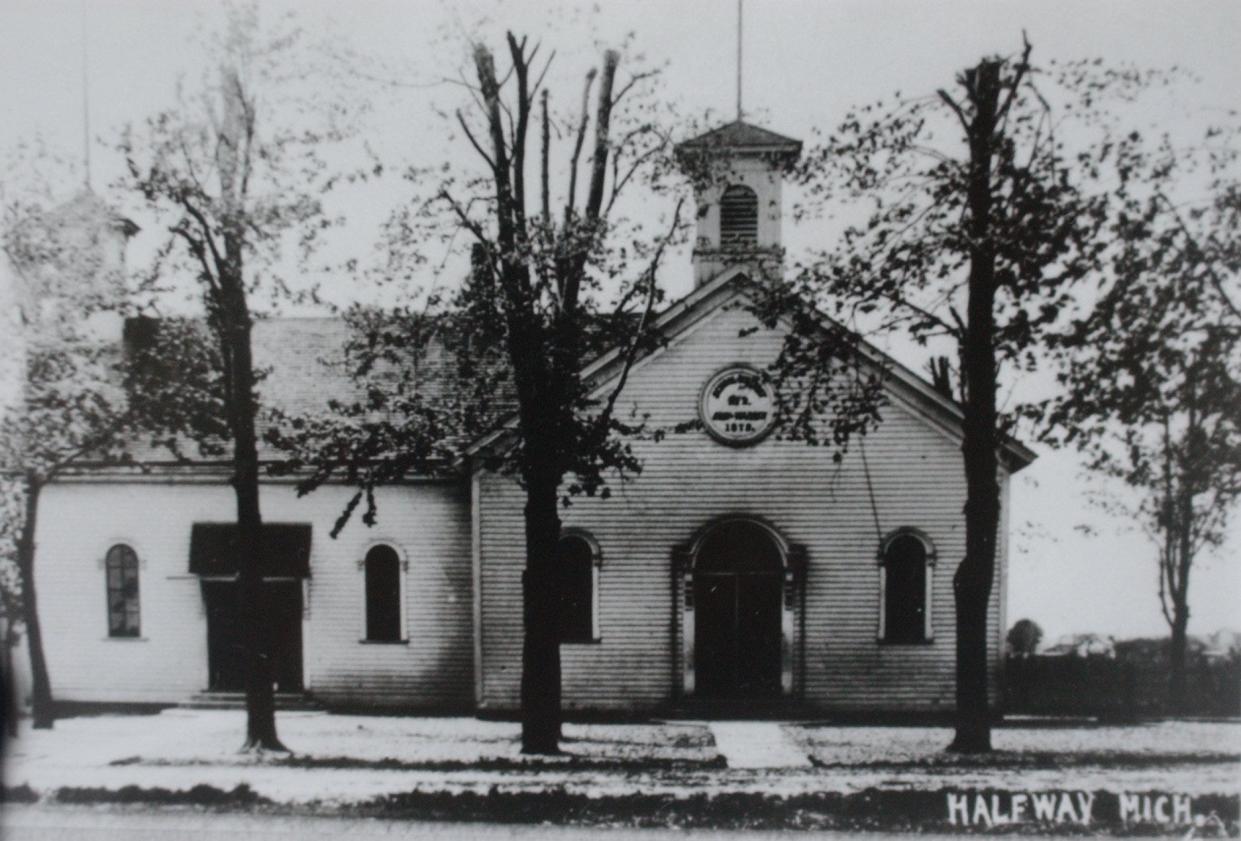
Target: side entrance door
226,652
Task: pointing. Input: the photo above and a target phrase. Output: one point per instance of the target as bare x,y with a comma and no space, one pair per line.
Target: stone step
713,709
237,701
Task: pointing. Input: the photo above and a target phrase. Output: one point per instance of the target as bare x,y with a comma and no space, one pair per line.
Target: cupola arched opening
738,217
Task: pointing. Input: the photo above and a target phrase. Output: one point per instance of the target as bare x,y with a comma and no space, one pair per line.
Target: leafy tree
1023,638
69,407
558,273
237,179
974,244
1151,375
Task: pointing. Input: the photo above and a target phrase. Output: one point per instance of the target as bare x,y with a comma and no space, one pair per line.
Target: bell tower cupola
737,171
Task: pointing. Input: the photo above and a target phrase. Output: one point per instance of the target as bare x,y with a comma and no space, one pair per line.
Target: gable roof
731,285
304,360
88,210
302,365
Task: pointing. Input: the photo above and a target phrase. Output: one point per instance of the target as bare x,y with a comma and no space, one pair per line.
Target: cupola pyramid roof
742,136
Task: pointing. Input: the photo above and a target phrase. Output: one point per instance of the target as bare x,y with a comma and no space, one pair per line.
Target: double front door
737,634
226,650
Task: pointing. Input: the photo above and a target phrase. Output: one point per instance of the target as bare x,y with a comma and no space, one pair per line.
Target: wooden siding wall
689,480
427,523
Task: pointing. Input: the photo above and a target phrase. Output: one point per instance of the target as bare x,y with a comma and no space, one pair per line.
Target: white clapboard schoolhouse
738,568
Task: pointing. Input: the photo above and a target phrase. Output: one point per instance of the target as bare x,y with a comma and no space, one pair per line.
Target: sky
1074,567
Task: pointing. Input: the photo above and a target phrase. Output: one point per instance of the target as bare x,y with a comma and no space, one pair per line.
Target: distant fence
1108,688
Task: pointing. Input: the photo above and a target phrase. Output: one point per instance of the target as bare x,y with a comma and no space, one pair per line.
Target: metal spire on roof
740,4
85,103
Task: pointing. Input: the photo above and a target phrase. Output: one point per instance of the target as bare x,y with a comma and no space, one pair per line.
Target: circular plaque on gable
738,406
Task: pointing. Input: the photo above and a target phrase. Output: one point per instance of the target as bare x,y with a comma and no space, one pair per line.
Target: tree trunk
1177,694
1185,516
42,714
540,676
255,614
974,577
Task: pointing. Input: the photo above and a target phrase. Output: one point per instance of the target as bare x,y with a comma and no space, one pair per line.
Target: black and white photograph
628,419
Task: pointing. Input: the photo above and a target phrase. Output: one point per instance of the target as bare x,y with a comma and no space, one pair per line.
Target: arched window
121,567
577,561
905,578
738,217
383,595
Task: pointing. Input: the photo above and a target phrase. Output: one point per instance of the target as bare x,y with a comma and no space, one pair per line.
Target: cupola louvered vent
738,217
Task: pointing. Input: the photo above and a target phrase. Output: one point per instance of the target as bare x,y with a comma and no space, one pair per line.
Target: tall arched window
738,217
577,561
383,595
121,567
905,577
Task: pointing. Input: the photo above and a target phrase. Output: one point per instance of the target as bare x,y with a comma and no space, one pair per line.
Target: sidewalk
757,744
341,762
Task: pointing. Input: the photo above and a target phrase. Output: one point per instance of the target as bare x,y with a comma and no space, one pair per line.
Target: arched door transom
738,625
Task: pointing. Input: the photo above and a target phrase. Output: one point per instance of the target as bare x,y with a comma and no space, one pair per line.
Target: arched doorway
738,612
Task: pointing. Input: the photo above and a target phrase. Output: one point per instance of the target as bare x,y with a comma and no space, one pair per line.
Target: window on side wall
906,563
121,569
383,595
577,561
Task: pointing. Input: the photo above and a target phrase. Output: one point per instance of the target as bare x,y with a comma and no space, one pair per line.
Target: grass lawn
349,759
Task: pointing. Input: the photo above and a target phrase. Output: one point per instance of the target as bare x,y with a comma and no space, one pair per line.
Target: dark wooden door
286,648
737,635
226,654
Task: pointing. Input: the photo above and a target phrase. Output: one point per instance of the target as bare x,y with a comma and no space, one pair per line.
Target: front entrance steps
285,701
750,709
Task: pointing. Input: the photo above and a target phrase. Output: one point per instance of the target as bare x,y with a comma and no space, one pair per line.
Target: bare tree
558,274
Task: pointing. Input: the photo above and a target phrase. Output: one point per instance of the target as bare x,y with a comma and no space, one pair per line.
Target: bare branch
474,142
619,181
952,103
1023,67
603,117
631,351
521,69
538,83
577,144
203,225
545,153
464,217
1216,280
633,80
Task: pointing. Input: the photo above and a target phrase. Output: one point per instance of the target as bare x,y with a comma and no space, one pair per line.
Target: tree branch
571,201
1216,280
965,123
544,177
521,69
1014,86
631,352
474,142
197,250
633,80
